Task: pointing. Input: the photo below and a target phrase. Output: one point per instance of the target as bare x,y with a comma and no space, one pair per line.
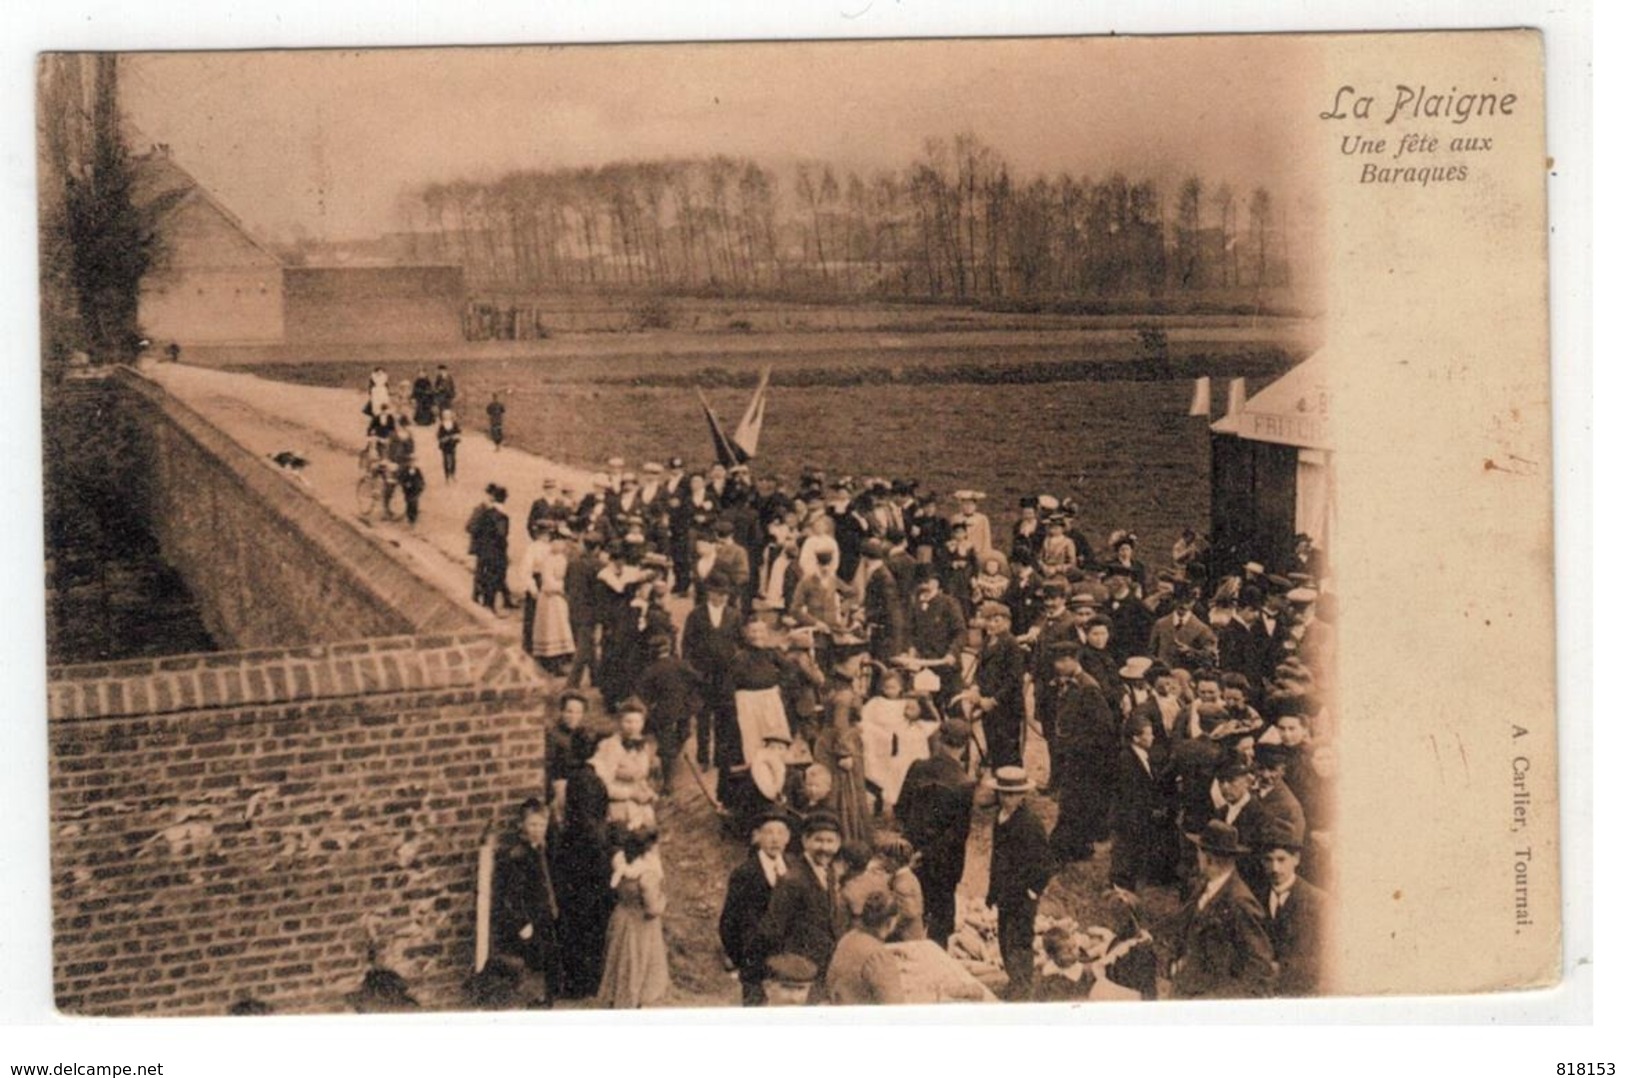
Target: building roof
1295,409
159,177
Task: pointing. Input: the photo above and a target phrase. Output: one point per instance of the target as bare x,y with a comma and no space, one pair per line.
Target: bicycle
376,487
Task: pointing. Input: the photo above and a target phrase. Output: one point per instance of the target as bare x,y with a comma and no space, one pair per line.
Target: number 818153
1585,1070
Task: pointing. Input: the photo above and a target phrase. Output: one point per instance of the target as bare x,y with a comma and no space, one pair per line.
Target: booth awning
1293,410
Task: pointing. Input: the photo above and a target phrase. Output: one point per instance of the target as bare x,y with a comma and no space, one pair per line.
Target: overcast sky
329,140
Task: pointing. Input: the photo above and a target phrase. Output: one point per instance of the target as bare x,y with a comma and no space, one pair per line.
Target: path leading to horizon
326,428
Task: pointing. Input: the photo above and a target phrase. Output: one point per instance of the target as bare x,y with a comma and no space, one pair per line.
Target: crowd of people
862,671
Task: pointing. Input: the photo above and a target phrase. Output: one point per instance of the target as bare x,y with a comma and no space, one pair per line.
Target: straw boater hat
1135,669
1011,780
968,496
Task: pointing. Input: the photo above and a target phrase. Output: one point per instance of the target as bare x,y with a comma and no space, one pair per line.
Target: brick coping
260,676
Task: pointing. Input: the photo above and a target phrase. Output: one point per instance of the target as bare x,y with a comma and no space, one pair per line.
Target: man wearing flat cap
934,810
805,913
1220,948
1294,909
1020,870
1000,687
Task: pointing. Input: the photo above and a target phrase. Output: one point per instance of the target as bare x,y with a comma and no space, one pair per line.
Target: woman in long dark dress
581,869
423,409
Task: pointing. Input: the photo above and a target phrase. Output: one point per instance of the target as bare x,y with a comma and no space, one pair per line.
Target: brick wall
253,823
268,564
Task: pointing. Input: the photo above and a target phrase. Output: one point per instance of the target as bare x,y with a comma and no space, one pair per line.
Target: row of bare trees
955,224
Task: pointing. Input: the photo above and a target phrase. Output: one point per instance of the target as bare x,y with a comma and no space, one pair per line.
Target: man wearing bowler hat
1294,911
1220,946
750,890
1020,870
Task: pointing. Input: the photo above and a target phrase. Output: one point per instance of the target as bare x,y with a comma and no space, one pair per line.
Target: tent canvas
1293,410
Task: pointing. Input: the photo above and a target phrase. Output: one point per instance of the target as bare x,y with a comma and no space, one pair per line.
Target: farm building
373,304
1272,469
216,283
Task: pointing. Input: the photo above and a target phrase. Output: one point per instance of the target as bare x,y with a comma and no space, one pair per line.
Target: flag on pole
728,454
749,431
1238,396
1202,397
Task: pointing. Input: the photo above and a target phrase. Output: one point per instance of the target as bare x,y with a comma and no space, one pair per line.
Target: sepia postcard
978,521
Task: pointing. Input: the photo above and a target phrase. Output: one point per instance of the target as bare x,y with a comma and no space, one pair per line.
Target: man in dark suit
732,561
1244,648
934,810
1272,793
1021,868
882,603
673,691
1000,686
1142,812
1238,808
851,528
1082,757
1052,626
1219,946
1131,618
804,914
937,630
750,891
1273,629
525,909
1294,910
712,636
1181,638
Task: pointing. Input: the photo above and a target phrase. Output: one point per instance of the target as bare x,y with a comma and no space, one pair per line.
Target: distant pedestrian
494,412
488,542
411,483
377,392
445,390
423,402
448,434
